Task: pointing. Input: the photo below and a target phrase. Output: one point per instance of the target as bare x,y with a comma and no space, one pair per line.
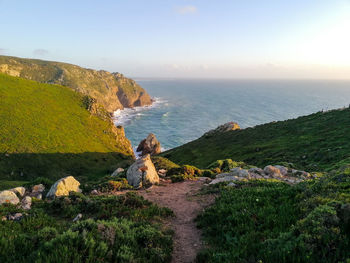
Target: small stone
78,217
232,184
26,203
162,172
117,171
15,217
94,192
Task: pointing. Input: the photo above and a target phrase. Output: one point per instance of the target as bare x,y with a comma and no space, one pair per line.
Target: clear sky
184,38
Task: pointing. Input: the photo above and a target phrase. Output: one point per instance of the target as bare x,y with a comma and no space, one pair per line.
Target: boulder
63,186
19,190
256,170
8,197
283,170
142,172
117,171
239,172
39,188
229,126
150,145
272,171
227,178
26,203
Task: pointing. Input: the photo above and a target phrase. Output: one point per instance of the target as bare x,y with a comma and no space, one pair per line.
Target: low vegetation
261,221
112,229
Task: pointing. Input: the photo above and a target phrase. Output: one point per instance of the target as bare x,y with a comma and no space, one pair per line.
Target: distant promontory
111,90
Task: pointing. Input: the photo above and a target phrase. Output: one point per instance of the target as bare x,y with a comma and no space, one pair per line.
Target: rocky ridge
276,172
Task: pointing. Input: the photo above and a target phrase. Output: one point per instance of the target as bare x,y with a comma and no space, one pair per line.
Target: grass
275,222
316,142
113,229
46,131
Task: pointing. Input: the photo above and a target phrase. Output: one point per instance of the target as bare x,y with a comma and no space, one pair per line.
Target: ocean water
185,109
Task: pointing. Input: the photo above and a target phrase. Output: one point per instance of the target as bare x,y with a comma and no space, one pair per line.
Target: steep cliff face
112,90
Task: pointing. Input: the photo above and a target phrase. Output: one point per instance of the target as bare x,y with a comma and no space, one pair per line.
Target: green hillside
45,130
112,90
315,142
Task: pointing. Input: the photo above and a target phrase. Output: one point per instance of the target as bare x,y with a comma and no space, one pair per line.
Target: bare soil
186,204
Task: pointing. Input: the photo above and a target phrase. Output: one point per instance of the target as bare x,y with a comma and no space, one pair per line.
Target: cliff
112,90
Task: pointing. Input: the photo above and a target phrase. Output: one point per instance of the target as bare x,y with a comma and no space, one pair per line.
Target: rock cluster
150,145
142,172
229,126
22,197
277,172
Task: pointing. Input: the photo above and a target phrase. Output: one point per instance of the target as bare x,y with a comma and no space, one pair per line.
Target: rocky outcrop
276,172
142,173
63,186
150,145
111,90
121,140
8,197
229,126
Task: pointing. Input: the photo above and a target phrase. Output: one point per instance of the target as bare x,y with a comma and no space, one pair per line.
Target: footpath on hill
186,204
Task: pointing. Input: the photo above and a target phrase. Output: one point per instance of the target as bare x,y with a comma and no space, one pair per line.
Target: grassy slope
314,142
44,127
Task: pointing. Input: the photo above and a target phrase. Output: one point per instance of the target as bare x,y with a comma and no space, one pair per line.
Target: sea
185,109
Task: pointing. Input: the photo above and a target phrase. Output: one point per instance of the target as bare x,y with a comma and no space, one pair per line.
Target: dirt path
182,199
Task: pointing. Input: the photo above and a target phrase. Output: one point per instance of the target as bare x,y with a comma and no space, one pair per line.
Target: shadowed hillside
46,130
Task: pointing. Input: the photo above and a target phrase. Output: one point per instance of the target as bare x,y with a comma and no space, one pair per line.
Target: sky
184,38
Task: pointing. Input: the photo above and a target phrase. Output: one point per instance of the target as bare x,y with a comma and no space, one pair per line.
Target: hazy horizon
185,38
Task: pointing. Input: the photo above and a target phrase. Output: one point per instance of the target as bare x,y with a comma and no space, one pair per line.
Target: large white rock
63,186
8,197
142,172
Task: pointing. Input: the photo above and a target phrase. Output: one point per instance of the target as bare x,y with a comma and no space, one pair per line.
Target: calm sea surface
185,109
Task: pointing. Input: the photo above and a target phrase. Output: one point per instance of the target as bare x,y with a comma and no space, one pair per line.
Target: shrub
120,229
163,163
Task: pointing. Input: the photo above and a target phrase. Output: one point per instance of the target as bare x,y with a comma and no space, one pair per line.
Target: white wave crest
125,116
